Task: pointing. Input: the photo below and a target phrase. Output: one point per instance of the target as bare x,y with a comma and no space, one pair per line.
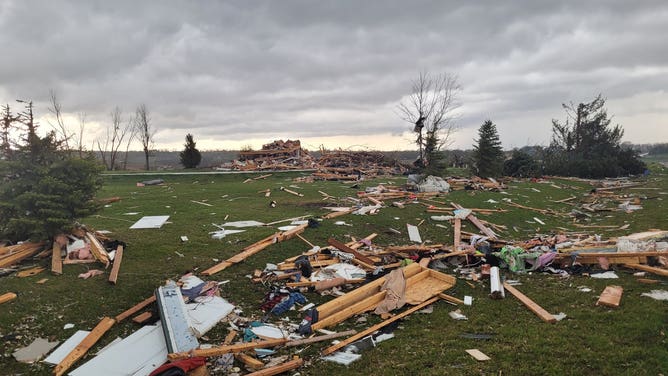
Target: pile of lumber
350,165
277,155
14,254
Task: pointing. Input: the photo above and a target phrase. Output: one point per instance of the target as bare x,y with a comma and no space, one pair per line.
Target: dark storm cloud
237,70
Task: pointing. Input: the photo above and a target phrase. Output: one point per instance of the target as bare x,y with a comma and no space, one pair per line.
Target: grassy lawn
590,340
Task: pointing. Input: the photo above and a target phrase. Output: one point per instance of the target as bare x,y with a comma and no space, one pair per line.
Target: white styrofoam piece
61,352
268,331
155,221
138,355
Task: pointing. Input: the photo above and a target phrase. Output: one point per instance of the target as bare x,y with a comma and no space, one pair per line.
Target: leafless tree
430,108
59,127
144,131
128,141
113,139
82,128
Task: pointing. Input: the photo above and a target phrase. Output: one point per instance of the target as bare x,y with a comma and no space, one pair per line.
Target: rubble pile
352,165
277,155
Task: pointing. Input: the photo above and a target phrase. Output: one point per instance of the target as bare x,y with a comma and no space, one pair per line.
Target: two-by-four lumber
250,361
220,350
287,366
535,308
80,350
651,269
476,222
255,248
326,337
372,329
342,247
458,233
56,260
136,308
450,298
118,257
142,317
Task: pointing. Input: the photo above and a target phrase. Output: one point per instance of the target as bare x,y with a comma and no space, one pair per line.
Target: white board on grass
155,221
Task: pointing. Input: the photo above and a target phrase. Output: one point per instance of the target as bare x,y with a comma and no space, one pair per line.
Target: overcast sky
236,73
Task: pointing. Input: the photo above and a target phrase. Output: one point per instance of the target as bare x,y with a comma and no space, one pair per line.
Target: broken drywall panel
61,352
242,224
342,358
138,354
656,294
414,234
35,351
206,312
155,221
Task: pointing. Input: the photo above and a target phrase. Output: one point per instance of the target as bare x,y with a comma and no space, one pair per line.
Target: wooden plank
255,248
30,272
611,296
113,276
342,247
56,260
372,329
78,352
230,337
142,317
6,297
651,269
97,249
226,349
136,308
458,232
359,307
535,308
250,361
450,299
326,337
478,355
287,366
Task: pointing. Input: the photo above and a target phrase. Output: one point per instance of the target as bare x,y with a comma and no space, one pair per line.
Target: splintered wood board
426,284
611,296
478,355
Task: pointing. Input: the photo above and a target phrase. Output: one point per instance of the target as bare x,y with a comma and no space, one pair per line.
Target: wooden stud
650,269
142,317
458,233
113,276
80,350
287,366
30,272
357,308
535,308
250,361
372,329
226,349
342,247
136,308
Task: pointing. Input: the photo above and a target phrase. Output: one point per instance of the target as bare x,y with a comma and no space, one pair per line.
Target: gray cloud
240,70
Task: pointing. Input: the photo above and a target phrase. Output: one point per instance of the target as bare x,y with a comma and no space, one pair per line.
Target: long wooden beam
225,349
372,329
287,366
136,308
651,269
535,308
342,247
82,348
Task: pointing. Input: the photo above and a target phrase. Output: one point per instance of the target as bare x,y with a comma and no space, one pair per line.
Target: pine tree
487,154
45,189
190,156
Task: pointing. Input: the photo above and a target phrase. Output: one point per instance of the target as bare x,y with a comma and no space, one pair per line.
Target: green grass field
591,340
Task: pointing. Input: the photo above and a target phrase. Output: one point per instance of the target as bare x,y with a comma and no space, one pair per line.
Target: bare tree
60,127
82,128
144,131
128,141
430,108
114,138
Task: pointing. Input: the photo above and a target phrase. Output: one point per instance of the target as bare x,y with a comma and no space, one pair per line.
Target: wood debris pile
352,165
277,155
475,183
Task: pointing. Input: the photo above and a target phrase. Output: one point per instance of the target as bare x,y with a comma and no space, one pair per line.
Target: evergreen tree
585,145
487,153
45,189
190,156
521,165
